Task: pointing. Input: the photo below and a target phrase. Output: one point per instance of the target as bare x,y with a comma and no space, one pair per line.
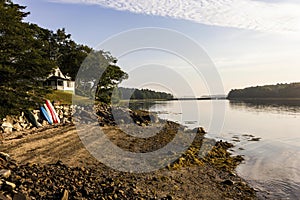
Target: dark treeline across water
281,91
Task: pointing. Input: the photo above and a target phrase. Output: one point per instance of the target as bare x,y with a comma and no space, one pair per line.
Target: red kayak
52,111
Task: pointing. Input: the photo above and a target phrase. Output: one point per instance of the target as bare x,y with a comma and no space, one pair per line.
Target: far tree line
130,93
291,90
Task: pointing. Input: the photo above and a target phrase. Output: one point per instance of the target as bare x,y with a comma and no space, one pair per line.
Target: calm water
272,164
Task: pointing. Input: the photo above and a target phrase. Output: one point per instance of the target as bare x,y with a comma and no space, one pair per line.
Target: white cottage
58,81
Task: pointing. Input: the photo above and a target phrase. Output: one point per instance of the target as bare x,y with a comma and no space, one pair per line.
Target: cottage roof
58,78
56,74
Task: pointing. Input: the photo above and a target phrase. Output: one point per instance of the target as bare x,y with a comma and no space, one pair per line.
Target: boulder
7,127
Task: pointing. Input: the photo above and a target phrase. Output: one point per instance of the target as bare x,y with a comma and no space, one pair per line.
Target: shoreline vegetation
52,163
286,91
268,99
140,94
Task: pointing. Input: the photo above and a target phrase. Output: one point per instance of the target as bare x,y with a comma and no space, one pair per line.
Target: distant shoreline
174,99
266,99
268,92
218,98
201,98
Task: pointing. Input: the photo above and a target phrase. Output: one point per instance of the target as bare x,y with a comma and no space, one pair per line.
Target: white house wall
69,86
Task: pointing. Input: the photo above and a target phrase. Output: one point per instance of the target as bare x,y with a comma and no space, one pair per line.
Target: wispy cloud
245,14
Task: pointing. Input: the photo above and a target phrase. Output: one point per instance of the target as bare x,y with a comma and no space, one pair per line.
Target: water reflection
272,168
271,105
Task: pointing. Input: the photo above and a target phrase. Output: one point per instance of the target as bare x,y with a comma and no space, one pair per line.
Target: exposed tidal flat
53,163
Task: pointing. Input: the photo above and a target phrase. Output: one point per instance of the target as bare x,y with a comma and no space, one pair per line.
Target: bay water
267,133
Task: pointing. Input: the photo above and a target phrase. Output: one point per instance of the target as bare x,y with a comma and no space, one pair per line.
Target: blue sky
250,42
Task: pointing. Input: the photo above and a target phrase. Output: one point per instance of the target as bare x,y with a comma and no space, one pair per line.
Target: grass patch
61,96
66,98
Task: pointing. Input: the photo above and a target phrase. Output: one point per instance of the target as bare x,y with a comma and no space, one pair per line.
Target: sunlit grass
66,98
60,96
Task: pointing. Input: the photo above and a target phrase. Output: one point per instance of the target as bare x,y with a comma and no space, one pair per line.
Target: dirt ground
62,143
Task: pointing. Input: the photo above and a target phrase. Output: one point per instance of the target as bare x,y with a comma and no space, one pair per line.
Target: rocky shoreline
51,163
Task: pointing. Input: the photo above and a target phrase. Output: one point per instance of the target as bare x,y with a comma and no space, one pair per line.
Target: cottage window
60,83
69,84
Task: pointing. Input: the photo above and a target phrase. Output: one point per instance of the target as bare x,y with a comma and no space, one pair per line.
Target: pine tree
23,59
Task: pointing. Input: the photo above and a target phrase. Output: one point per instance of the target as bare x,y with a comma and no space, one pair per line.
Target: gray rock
7,127
5,173
17,126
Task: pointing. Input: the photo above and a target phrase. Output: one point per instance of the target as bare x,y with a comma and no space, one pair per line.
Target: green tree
28,53
22,59
98,76
67,54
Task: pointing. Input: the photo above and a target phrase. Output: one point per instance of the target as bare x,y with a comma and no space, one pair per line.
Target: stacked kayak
31,118
49,113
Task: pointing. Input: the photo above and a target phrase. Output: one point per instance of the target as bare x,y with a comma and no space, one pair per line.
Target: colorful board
48,111
31,118
53,112
46,115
